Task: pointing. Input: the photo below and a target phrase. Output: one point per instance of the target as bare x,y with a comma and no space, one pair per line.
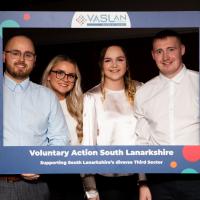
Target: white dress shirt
108,121
71,123
168,110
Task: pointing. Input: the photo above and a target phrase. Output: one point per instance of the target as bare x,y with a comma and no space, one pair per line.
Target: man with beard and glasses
32,116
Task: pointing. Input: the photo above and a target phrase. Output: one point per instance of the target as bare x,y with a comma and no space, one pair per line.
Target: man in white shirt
167,108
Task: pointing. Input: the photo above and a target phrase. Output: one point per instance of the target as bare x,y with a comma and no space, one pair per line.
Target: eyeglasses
71,77
16,54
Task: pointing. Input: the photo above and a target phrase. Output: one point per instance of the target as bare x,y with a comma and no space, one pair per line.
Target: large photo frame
97,159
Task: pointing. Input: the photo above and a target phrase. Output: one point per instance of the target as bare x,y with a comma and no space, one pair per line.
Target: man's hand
144,193
30,177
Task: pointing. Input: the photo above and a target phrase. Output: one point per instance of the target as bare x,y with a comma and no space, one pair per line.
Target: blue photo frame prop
96,159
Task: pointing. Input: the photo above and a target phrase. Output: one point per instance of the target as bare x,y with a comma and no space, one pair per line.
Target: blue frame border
97,159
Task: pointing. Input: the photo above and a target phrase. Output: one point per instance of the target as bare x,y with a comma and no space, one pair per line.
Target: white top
168,110
71,123
108,121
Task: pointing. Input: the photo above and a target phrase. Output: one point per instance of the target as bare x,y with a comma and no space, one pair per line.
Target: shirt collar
177,78
12,85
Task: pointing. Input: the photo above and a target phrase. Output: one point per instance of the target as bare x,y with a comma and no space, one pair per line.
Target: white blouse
108,121
71,123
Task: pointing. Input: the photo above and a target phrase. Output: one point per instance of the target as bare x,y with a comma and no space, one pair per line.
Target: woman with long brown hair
108,119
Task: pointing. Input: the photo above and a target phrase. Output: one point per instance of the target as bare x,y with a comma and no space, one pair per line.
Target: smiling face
167,53
64,85
114,65
19,68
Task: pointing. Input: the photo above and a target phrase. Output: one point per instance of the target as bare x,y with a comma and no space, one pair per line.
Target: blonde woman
63,77
108,119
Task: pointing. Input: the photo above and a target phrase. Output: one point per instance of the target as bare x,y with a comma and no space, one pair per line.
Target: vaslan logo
101,20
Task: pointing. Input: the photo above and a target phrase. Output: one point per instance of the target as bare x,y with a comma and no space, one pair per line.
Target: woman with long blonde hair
63,77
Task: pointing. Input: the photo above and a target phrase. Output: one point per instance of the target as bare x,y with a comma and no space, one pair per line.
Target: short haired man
167,108
32,116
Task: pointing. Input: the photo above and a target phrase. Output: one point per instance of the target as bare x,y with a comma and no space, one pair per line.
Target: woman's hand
92,195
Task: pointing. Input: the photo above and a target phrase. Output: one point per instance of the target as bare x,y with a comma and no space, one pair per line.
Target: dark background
84,45
101,5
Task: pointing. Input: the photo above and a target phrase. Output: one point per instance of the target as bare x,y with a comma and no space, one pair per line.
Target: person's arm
58,133
89,138
142,133
144,191
89,185
142,127
89,121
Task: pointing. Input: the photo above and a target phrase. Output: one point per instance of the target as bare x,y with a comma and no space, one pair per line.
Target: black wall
86,53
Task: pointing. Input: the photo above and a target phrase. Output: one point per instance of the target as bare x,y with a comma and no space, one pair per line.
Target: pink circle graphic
27,16
191,153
